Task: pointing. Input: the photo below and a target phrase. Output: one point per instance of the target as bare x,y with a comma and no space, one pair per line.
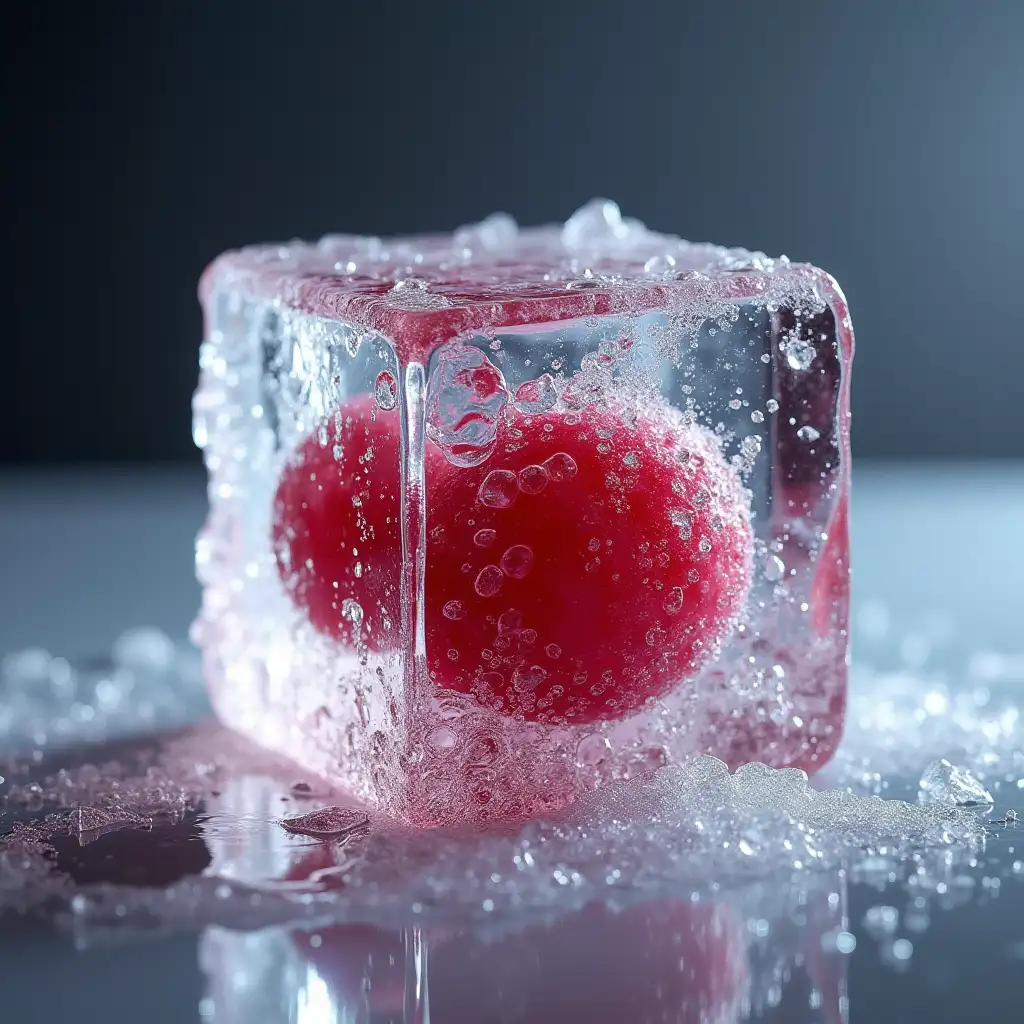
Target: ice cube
490,524
945,783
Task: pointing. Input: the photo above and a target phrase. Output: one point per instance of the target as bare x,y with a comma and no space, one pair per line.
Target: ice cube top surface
421,291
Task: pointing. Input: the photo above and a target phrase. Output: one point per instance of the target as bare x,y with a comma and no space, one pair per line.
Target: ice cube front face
499,515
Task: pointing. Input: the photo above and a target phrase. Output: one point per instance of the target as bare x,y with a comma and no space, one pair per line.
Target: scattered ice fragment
774,568
493,234
660,265
327,822
945,783
598,222
808,433
144,649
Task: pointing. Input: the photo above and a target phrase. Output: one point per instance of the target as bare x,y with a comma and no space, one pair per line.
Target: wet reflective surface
164,884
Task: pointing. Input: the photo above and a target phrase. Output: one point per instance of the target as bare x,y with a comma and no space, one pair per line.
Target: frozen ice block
499,515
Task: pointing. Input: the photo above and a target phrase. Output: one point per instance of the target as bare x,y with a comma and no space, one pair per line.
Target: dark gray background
882,139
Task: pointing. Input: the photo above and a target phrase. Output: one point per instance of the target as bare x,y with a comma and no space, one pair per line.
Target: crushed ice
955,755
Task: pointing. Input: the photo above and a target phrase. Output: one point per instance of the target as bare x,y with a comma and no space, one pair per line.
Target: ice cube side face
371,375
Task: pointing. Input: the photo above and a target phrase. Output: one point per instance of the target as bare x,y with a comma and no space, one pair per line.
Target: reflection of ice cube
945,783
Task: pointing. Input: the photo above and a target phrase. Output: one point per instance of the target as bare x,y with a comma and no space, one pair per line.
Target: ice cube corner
499,515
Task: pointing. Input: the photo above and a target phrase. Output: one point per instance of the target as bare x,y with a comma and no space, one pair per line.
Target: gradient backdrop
882,139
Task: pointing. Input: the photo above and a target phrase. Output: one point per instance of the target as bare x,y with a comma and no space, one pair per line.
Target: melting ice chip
945,783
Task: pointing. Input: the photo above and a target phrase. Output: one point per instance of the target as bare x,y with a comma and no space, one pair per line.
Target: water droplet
536,396
488,581
560,466
499,489
553,651
454,610
594,544
516,561
674,600
808,433
385,391
533,479
466,398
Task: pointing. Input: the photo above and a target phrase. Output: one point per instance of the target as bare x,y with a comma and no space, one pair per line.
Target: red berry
590,563
337,529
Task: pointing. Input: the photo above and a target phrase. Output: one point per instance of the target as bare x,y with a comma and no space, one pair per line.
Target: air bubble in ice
533,479
516,561
560,466
466,398
144,649
385,391
536,396
808,433
488,581
528,677
799,353
945,783
498,490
